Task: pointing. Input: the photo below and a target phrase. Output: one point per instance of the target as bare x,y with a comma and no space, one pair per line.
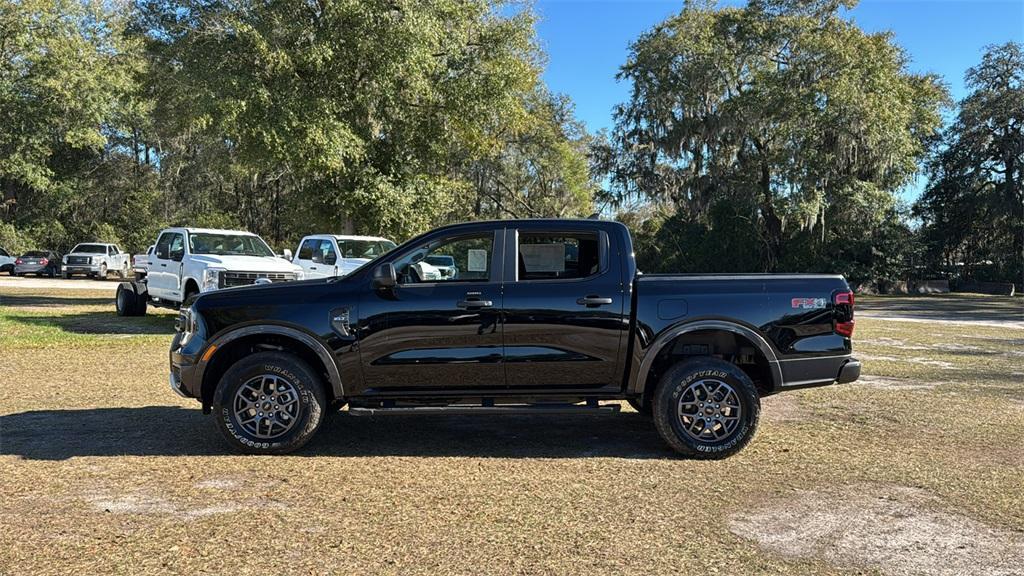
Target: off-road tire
674,384
312,402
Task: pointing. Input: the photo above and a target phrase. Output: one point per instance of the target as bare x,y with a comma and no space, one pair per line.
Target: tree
333,114
782,115
973,207
540,169
65,68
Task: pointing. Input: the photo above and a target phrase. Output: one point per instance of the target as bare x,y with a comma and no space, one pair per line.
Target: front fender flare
670,334
307,340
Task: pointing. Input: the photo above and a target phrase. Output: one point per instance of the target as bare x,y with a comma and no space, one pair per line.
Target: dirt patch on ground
897,530
147,503
782,408
884,383
912,360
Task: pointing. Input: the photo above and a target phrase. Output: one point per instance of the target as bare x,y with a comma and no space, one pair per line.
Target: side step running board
476,409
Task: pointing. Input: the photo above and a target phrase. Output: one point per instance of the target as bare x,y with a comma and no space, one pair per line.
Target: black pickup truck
534,316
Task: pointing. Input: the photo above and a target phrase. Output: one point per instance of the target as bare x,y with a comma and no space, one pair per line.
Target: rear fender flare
666,337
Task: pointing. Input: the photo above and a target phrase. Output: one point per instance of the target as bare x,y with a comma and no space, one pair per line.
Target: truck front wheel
706,408
269,403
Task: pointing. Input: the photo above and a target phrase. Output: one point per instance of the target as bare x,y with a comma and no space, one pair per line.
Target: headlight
300,274
92,259
211,279
187,324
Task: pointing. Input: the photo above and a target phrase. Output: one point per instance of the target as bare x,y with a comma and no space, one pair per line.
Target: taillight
43,261
843,302
18,261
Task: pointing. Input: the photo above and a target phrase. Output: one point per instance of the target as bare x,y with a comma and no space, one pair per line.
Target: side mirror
287,254
384,276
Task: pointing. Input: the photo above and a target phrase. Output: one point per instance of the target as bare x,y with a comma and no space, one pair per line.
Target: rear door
564,304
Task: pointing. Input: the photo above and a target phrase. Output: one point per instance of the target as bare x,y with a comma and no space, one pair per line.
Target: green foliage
283,118
792,115
13,240
973,208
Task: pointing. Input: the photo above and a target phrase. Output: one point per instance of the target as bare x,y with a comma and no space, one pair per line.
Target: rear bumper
849,372
823,371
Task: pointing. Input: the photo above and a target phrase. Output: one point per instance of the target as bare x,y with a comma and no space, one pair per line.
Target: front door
318,258
564,305
164,277
435,331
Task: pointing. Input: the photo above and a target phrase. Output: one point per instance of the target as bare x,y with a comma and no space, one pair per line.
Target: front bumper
81,268
185,376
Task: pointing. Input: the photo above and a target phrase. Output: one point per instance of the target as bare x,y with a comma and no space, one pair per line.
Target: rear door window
558,256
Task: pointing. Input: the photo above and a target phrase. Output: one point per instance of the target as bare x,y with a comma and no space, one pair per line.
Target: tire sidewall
675,383
123,301
312,402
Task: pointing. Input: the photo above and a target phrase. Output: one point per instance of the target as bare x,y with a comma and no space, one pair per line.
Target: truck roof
346,237
208,231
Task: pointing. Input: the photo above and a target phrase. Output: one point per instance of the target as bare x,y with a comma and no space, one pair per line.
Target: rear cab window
559,255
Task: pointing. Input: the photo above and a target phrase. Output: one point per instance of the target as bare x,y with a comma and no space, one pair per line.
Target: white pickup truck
323,255
140,263
187,261
96,260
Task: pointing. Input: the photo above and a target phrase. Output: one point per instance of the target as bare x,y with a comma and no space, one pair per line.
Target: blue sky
587,40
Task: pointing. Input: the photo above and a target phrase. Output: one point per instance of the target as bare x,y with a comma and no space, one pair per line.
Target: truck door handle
312,267
593,301
164,265
473,301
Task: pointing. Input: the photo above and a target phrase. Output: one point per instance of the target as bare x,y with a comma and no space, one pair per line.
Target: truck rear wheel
269,403
706,408
131,299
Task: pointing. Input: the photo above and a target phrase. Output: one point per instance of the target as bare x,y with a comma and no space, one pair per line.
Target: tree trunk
772,222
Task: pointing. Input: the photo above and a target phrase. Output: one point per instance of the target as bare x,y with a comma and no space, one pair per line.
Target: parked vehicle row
185,262
93,259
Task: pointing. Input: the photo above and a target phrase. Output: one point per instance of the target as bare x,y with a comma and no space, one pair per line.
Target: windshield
437,260
35,254
364,248
228,244
90,249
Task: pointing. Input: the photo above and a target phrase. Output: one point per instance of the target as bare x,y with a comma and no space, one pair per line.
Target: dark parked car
38,262
544,316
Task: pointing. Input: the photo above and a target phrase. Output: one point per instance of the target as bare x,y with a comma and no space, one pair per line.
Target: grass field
918,469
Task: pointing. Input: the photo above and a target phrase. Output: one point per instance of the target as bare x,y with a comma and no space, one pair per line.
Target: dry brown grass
106,471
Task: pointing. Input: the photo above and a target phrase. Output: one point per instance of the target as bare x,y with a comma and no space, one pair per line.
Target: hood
350,264
246,263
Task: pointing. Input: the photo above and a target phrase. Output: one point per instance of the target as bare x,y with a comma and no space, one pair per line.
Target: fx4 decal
809,303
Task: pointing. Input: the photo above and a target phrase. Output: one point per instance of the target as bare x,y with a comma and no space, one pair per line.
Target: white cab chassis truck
187,261
96,260
323,255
